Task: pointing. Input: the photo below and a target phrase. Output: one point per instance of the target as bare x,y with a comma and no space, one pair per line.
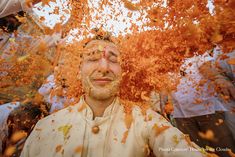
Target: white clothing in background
194,95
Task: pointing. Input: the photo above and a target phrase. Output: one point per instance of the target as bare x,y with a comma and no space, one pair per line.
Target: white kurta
68,133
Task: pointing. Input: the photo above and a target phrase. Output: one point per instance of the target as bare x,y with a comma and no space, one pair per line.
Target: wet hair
100,35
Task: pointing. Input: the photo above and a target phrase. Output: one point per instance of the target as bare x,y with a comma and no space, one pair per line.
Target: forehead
100,44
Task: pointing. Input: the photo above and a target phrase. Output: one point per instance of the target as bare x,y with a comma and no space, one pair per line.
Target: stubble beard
101,93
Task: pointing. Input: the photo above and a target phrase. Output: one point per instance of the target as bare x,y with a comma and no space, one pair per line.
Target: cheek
116,70
86,70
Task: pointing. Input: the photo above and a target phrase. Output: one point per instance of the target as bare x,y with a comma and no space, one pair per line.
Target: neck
98,106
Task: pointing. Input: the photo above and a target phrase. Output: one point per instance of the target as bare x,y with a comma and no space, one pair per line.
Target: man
100,124
222,73
56,102
198,111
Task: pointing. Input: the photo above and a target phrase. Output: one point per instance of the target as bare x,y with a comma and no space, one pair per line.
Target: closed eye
93,59
113,59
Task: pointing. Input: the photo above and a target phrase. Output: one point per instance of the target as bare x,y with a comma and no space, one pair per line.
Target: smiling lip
102,81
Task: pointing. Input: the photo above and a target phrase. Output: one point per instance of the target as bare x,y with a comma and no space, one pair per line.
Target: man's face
101,70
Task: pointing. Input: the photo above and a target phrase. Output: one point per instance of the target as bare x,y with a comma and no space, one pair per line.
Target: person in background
198,111
8,25
5,111
20,123
56,102
155,101
22,34
221,72
12,33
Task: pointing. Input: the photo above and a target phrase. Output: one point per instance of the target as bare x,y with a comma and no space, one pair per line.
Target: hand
226,88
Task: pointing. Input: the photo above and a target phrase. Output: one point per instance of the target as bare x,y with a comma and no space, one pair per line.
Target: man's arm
208,70
223,85
8,7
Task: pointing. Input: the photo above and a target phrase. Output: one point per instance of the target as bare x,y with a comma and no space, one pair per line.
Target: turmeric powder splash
149,57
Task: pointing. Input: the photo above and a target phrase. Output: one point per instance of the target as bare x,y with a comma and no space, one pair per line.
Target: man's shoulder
142,111
57,118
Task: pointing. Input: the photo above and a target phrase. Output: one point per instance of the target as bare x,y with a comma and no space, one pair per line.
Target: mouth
102,81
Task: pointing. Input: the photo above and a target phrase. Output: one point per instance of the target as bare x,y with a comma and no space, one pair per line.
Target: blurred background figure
54,91
20,123
10,23
198,111
221,72
155,101
5,111
161,102
23,38
48,103
56,101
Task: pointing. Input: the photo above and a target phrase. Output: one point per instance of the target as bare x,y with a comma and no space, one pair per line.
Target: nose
103,65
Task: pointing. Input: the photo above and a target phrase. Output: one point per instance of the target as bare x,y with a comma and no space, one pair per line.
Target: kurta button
95,129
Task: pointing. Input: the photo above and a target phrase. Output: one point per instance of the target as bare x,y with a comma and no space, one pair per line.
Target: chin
101,94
